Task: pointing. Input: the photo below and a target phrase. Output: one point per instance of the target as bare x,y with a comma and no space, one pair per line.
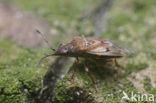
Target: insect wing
106,48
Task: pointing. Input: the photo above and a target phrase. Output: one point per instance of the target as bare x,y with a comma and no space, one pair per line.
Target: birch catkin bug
83,47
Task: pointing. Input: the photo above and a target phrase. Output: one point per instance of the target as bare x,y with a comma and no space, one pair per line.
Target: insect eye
66,48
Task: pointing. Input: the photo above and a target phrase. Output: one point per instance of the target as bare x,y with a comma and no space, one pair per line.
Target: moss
11,93
147,84
69,94
20,79
109,84
148,87
132,67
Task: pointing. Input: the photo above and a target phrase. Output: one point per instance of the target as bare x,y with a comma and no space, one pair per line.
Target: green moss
20,79
69,94
148,87
133,67
111,88
147,84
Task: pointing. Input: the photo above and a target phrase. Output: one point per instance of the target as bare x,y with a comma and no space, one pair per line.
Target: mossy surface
131,24
20,79
110,81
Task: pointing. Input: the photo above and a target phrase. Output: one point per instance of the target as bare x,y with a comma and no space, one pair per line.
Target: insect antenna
45,39
43,58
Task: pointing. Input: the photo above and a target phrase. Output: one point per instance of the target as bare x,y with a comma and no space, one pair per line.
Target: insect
83,47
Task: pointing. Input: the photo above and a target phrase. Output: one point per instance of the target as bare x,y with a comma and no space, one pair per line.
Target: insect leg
91,77
117,65
75,64
43,58
45,39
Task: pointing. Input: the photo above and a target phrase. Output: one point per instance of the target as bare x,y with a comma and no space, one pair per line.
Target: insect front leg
120,68
117,65
91,77
74,72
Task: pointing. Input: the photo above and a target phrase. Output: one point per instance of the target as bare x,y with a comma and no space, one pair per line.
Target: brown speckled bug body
90,48
93,48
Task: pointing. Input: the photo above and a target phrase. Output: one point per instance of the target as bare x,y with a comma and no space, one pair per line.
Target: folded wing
104,48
